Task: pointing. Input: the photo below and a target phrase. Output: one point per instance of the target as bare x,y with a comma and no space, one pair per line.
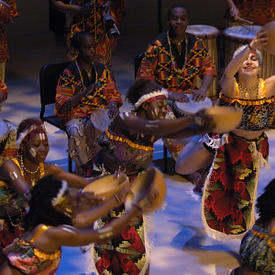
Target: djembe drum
239,35
209,35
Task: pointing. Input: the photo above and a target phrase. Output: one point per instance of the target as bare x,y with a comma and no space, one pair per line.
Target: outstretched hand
178,96
199,95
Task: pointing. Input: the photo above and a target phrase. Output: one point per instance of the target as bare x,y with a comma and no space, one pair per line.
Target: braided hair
41,209
140,88
266,204
27,123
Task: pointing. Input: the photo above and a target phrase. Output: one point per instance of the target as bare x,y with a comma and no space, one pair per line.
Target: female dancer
230,191
50,224
257,250
128,146
19,175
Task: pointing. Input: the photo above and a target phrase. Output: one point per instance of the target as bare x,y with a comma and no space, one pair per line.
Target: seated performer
175,59
128,147
257,12
257,248
231,187
54,221
19,175
101,18
84,89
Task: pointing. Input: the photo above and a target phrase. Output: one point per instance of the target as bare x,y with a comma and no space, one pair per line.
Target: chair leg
165,158
70,164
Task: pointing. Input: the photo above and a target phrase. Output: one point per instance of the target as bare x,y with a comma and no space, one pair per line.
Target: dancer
19,175
128,147
84,90
257,250
50,224
101,18
230,190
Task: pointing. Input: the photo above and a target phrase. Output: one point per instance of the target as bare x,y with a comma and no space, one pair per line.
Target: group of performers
40,207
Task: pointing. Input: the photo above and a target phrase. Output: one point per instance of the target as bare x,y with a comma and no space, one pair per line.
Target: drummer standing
83,88
175,58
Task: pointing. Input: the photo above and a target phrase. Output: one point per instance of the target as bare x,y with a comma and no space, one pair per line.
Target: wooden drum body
209,36
240,35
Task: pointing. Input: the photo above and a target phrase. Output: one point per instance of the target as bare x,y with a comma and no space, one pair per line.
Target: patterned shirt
72,82
159,64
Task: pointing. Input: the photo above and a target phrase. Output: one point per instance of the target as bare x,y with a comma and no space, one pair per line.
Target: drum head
106,186
242,33
270,29
225,118
193,106
203,31
4,130
142,186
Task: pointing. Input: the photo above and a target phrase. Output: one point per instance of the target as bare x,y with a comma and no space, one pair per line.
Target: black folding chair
49,74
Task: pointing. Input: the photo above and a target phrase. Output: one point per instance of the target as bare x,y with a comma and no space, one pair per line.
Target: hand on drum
259,41
86,200
204,120
199,95
178,96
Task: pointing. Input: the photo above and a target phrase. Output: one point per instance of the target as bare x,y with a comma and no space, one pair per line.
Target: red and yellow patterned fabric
257,11
92,23
230,191
158,64
70,83
23,256
4,51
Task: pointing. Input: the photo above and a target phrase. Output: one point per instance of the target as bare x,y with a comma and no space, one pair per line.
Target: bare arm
72,179
65,7
10,173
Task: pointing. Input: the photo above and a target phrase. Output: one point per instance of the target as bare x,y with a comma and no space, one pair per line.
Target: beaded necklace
81,76
247,92
33,180
180,71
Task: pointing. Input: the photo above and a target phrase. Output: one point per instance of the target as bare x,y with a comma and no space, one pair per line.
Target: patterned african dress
258,11
4,51
170,69
257,250
80,120
92,23
24,257
231,187
12,207
126,253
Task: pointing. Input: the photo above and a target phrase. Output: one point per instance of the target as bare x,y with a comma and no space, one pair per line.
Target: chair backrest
138,59
49,74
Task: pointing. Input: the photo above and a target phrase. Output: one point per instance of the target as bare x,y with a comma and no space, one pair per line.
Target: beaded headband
28,131
61,194
151,96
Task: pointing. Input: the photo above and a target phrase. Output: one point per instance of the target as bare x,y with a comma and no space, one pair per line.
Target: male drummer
176,58
84,88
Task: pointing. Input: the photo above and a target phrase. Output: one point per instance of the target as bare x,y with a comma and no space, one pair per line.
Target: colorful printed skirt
230,190
125,253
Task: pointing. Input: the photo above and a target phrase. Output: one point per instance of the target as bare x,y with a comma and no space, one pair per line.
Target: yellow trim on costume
128,142
264,236
19,166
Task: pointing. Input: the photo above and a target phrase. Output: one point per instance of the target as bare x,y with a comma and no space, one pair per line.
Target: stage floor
180,244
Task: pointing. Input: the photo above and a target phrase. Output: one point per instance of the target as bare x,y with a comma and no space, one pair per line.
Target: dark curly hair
140,88
177,5
78,39
266,204
41,209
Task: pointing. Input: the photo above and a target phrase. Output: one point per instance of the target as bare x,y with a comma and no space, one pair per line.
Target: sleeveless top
257,250
8,196
258,114
23,256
